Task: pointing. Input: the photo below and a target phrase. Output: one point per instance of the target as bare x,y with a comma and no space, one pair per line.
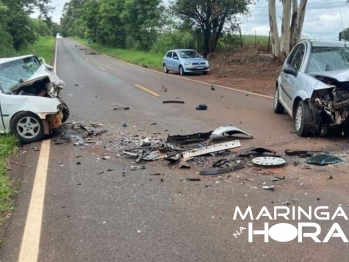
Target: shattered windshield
12,72
328,59
188,54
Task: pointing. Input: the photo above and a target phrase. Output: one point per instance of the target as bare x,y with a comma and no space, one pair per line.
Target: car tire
278,108
205,73
164,67
181,71
27,126
65,112
303,119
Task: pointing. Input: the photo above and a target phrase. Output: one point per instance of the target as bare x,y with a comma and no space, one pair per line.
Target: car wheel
303,119
181,71
165,69
27,126
278,108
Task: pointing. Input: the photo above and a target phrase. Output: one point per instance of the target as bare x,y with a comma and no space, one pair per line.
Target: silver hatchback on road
313,87
185,61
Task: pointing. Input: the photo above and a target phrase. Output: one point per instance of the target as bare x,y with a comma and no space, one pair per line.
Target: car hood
195,60
44,71
339,75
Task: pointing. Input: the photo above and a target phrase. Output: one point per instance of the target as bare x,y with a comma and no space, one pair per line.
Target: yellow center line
102,68
147,90
31,237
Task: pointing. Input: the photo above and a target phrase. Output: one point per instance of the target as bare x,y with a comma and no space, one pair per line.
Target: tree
344,35
210,16
291,27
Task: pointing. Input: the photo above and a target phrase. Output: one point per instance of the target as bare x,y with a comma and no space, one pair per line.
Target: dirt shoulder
244,69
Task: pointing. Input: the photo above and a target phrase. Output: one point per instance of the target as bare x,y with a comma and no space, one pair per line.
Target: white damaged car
313,87
30,106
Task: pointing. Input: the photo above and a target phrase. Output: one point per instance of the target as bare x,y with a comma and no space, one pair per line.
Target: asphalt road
91,214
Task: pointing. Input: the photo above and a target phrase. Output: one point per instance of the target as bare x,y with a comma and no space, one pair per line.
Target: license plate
200,67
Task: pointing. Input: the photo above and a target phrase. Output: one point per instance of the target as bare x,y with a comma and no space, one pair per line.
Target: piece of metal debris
193,179
184,165
188,139
256,151
268,161
117,108
277,178
224,131
173,102
250,179
221,170
106,157
324,159
268,188
36,148
135,168
202,107
210,149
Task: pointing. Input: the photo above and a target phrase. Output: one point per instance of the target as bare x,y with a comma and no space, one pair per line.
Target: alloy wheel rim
28,127
299,117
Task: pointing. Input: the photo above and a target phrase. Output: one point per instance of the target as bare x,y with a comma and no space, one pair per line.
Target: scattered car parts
324,159
268,161
224,131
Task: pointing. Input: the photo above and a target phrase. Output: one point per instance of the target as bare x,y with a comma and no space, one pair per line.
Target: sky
323,19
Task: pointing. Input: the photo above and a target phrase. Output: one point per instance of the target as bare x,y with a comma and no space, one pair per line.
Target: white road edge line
184,78
102,68
30,244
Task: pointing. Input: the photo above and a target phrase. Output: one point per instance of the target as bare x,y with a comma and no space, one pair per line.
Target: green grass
252,39
44,47
150,59
8,146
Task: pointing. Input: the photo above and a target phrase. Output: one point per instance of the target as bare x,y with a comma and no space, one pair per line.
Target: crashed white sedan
313,87
30,107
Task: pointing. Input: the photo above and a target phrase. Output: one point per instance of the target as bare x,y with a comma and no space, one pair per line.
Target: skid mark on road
147,90
32,231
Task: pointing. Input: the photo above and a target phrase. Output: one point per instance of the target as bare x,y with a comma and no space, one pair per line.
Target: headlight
187,63
206,62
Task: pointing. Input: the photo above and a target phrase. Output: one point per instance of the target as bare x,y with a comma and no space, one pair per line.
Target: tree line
18,30
149,25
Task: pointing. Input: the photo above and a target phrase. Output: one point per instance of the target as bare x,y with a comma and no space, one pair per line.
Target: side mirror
290,70
41,60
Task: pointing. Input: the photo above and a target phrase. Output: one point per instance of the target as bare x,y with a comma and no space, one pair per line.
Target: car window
12,72
292,55
328,59
175,55
298,58
169,54
188,54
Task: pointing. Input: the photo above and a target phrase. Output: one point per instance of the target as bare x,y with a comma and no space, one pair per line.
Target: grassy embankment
8,144
151,59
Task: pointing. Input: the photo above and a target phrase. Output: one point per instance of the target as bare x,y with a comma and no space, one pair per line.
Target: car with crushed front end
313,87
30,106
184,61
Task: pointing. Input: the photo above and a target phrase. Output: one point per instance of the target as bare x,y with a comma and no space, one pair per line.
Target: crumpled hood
44,71
339,75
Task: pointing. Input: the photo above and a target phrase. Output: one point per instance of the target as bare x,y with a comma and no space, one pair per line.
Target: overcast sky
322,20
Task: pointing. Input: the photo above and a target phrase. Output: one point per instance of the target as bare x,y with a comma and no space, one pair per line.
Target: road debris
224,131
213,88
221,170
324,159
193,179
202,107
106,157
268,161
163,89
268,188
118,108
256,151
173,102
36,148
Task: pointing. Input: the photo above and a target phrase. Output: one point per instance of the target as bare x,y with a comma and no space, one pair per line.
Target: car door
288,81
175,61
168,59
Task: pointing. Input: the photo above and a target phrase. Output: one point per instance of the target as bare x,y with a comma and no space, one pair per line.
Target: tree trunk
300,20
275,40
207,38
285,29
293,23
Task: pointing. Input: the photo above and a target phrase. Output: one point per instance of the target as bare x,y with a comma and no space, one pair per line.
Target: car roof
181,50
319,43
10,59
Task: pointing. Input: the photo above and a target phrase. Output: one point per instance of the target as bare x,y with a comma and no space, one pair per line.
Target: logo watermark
285,232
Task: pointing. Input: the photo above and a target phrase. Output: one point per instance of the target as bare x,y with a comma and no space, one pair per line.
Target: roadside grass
8,146
258,39
44,47
149,59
